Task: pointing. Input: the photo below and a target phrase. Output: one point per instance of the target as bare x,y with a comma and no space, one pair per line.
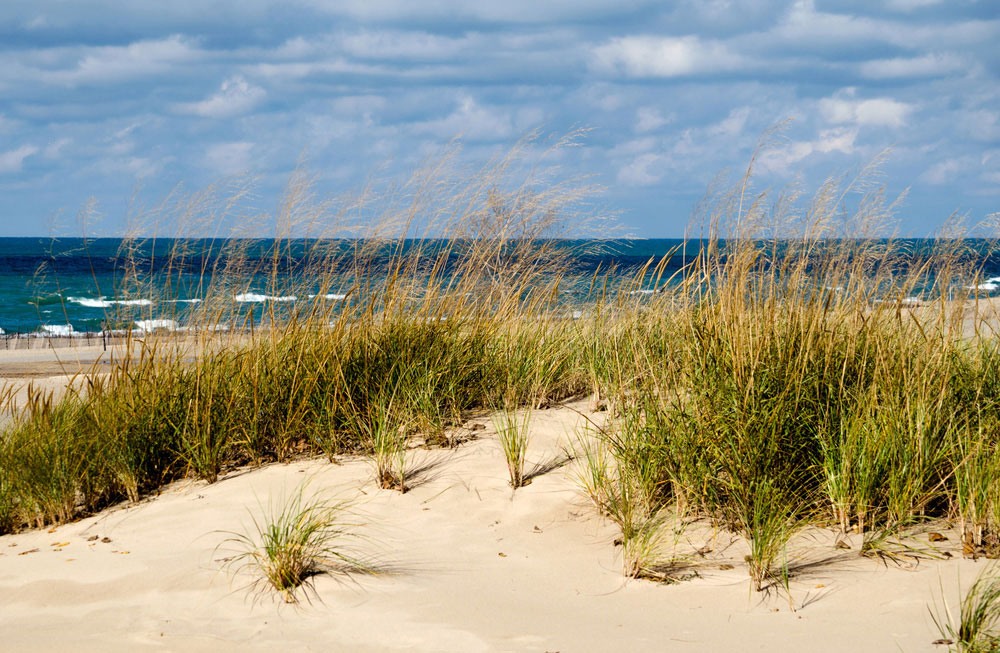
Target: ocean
75,286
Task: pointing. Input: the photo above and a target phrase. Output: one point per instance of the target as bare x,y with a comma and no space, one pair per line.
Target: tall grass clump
513,435
292,541
804,366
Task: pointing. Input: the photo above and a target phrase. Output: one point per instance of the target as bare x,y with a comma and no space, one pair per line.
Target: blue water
73,285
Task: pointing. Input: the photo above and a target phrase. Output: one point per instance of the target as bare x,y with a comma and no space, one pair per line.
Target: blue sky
97,95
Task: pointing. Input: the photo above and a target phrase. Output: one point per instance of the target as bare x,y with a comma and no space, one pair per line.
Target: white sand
558,587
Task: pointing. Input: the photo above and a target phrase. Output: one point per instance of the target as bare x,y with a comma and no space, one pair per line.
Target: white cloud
471,121
642,171
910,5
731,125
12,160
401,45
648,119
652,56
842,108
942,172
632,147
55,148
235,96
779,159
982,125
107,64
929,65
229,158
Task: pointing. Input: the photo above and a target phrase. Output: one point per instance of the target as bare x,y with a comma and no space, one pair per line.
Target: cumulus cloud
655,56
12,160
236,96
844,108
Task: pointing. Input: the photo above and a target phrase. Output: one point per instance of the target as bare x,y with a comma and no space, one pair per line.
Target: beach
464,563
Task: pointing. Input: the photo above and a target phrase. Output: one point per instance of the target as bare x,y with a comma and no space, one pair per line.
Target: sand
468,565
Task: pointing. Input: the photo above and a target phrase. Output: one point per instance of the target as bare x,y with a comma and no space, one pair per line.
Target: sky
104,97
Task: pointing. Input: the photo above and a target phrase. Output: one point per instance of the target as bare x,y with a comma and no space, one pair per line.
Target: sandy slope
557,586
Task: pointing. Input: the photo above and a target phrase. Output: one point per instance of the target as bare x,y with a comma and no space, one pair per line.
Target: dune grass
781,378
974,628
292,541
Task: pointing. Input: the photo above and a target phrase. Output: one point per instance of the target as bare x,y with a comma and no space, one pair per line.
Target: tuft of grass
975,629
291,541
513,434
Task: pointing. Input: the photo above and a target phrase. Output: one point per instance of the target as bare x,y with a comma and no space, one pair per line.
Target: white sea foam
108,303
57,329
255,297
196,300
146,326
330,296
989,286
643,291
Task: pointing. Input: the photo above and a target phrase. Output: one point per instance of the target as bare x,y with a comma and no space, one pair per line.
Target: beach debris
936,537
106,540
60,544
536,529
942,642
24,553
52,530
476,426
502,554
841,544
93,538
12,544
725,566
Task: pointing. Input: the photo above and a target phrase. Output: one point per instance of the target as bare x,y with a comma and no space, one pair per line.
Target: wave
196,300
145,326
989,286
108,303
255,297
330,296
57,329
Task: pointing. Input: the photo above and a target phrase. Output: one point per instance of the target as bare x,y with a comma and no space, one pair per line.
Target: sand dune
469,566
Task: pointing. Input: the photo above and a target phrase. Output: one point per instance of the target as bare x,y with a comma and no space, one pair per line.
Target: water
72,286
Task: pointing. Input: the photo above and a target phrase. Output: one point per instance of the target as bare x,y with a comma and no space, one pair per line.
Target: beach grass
293,540
782,378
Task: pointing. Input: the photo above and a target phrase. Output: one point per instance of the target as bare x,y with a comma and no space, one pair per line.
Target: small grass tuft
976,629
291,542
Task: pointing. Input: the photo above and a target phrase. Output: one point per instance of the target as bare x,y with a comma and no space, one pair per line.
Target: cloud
648,119
942,172
11,161
910,5
779,159
642,171
54,149
229,159
472,121
929,65
106,64
236,96
843,108
653,56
